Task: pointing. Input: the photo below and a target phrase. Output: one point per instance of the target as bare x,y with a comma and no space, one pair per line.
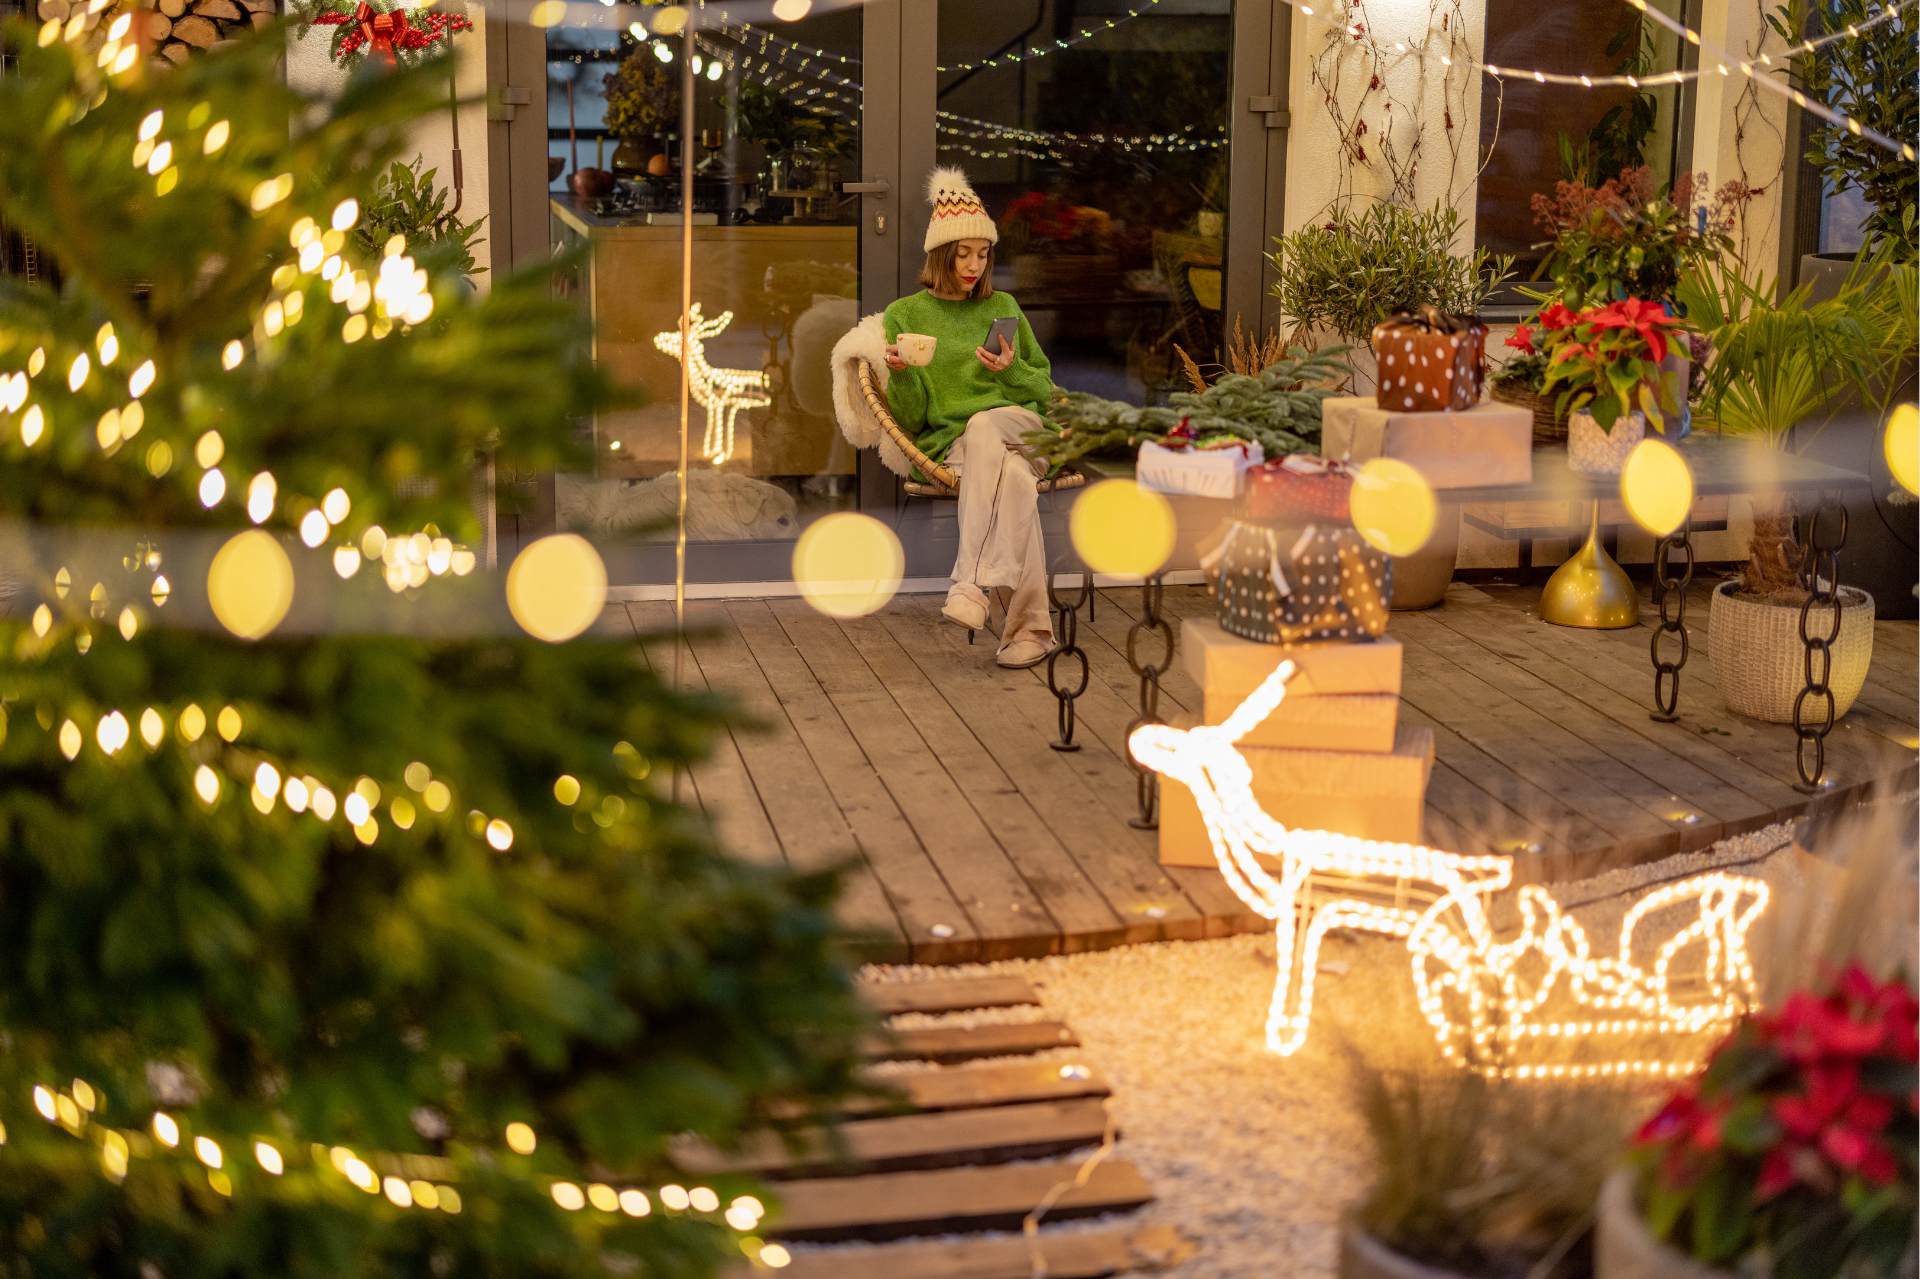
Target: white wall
1739,129
311,70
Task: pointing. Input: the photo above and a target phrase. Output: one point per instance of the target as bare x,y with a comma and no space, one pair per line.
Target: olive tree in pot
1776,369
1354,270
1481,1177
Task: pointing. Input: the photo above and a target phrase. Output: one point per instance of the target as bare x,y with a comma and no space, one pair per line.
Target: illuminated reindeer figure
1517,1007
721,392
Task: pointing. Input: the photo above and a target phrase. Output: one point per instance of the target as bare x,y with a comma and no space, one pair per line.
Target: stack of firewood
178,27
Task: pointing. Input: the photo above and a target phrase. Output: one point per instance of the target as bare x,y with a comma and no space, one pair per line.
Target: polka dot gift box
1292,585
1429,360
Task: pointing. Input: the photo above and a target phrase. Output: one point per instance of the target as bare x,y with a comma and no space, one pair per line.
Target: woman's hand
997,363
894,361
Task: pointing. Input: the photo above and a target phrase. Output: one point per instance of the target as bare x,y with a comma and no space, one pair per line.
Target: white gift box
1490,443
1196,472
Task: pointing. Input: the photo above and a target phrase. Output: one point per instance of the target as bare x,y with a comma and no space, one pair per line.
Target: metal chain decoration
1822,593
1068,645
1666,698
1150,619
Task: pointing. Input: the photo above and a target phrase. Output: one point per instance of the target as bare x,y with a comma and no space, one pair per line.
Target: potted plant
1481,1177
407,203
643,102
1610,363
1870,78
1065,249
1775,367
1354,270
1792,1155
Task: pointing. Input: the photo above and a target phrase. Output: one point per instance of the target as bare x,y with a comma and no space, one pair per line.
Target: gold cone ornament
1589,590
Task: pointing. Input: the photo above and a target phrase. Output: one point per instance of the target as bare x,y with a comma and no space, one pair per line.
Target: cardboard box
1234,667
1369,796
1341,722
1490,443
1195,472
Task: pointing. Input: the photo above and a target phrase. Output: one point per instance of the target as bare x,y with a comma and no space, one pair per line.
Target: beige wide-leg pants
1000,519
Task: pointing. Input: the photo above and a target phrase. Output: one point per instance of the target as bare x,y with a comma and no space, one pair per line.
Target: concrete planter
1594,451
1759,662
1420,580
1623,1247
1364,1257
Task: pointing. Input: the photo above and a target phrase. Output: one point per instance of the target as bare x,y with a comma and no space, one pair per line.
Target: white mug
915,348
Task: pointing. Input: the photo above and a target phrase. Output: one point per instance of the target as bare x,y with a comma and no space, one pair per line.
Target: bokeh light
250,584
1393,507
1657,486
1903,446
848,565
557,587
1122,529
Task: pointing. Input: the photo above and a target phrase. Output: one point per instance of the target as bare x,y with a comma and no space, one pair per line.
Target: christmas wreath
390,34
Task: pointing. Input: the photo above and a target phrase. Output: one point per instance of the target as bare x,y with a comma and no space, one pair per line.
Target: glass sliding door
1095,132
775,283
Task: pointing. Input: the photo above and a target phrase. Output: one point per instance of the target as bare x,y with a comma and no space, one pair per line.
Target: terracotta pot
1759,662
1364,1257
1623,1247
592,184
1596,452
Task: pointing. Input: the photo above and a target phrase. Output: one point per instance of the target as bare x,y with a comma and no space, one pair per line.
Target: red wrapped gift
1300,489
1430,360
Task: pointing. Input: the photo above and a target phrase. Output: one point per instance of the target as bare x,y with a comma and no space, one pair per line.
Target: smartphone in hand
1007,327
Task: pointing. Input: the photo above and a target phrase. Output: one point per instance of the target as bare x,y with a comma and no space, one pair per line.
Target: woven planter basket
1760,663
1549,427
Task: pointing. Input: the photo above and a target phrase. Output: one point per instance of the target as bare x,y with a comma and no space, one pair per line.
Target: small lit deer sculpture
723,393
1530,1005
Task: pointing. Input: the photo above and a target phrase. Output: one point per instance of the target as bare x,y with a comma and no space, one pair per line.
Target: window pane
1096,136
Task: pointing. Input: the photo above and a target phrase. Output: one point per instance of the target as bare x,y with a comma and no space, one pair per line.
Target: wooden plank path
890,745
974,1173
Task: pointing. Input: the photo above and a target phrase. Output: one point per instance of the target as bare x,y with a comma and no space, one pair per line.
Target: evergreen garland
1279,409
189,950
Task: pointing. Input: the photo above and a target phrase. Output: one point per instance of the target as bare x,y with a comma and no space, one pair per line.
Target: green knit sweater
933,403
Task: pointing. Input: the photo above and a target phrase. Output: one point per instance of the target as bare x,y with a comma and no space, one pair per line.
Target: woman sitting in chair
969,408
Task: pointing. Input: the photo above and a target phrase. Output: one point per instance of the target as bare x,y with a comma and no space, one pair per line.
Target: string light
1490,1002
723,393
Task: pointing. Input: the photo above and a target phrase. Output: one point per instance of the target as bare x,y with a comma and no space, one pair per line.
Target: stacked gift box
1332,756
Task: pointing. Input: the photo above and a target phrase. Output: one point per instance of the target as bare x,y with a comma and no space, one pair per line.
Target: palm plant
1777,366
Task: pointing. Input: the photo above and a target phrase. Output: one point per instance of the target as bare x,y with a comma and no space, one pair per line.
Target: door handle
876,187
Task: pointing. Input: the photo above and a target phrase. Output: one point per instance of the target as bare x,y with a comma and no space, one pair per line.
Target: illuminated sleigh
1533,1004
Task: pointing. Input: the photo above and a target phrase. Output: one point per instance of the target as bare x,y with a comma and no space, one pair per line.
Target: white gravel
1255,1157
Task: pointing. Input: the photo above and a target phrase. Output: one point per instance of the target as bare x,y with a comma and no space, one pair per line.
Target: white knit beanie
957,211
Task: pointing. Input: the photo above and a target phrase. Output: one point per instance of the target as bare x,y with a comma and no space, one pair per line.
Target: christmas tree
373,944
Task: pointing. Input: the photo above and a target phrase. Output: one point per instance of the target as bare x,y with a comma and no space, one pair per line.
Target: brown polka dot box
1429,360
1282,585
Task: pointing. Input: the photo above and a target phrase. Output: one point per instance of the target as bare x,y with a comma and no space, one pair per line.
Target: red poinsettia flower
1522,339
1558,317
1776,1174
1645,318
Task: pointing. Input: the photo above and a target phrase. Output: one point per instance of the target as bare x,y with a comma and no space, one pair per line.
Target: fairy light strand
1503,1006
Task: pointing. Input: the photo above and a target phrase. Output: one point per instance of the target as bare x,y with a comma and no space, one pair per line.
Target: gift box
1367,795
1290,586
1342,722
1429,360
1196,471
1489,443
1231,667
1300,489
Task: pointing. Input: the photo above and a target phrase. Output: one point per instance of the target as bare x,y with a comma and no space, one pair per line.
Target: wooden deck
889,740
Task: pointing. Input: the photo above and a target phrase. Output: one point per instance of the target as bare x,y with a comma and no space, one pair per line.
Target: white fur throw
867,341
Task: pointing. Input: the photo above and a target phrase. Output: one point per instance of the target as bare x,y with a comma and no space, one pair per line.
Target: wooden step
970,1087
1081,1255
951,996
895,1205
964,1043
998,1134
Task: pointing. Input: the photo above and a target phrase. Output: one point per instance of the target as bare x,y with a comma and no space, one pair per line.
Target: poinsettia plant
1607,359
1793,1155
1037,222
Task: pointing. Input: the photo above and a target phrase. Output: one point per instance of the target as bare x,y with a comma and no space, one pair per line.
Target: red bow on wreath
380,30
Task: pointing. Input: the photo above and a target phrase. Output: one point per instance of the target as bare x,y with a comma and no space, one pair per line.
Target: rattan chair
941,481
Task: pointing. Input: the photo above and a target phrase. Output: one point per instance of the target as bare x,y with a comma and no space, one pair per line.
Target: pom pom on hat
957,211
